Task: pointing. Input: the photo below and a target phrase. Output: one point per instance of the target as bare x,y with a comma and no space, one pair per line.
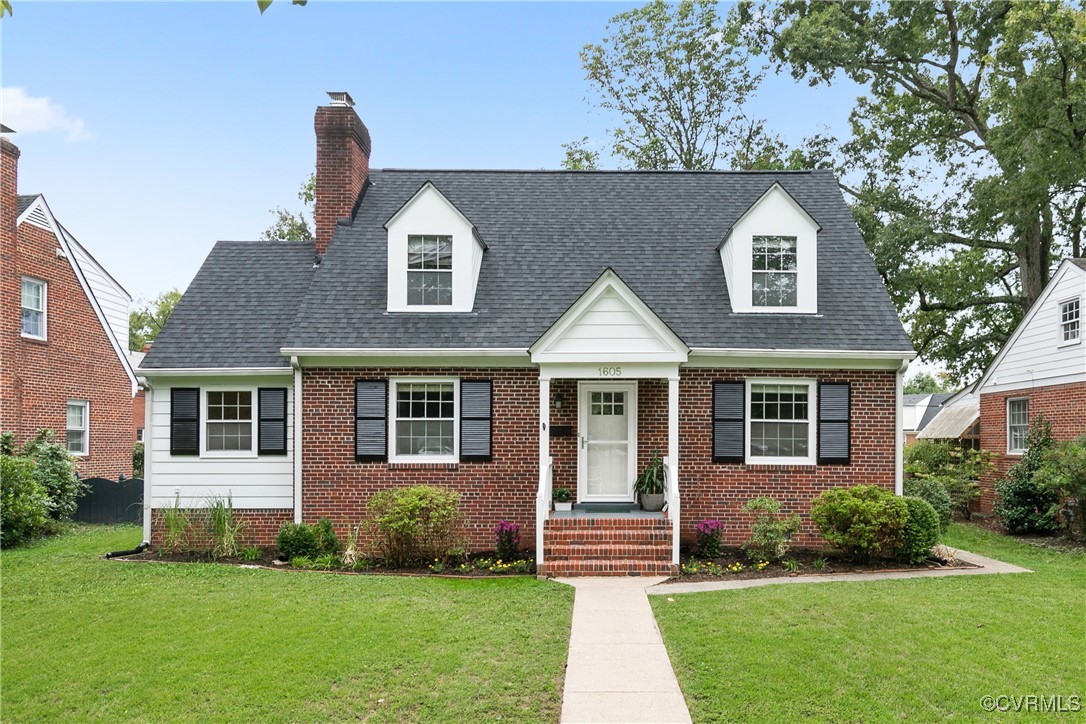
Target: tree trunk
1034,258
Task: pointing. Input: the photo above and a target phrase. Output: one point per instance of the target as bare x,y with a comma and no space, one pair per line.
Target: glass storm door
608,442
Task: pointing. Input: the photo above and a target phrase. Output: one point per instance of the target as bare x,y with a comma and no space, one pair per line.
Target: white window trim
812,421
86,427
44,308
1060,341
393,457
236,454
774,308
450,271
1007,408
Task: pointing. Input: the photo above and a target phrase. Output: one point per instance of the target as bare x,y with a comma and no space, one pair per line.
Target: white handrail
543,506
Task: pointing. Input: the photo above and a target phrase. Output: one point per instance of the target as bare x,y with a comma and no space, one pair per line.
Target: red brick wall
336,486
76,362
1064,406
716,490
343,164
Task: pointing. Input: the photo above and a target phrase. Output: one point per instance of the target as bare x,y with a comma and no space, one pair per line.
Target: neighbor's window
1070,314
425,419
33,307
78,422
774,271
229,420
779,422
1017,424
429,271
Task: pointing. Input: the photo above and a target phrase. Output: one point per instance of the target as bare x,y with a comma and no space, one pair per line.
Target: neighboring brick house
506,332
63,336
1041,370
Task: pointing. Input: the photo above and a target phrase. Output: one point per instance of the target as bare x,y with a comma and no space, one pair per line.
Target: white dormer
434,256
770,257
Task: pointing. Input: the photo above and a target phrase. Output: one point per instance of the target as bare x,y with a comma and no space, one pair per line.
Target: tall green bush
921,530
927,457
137,460
24,503
415,524
771,532
934,491
1063,475
54,469
864,522
1024,505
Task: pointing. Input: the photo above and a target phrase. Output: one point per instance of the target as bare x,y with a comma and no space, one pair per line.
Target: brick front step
607,547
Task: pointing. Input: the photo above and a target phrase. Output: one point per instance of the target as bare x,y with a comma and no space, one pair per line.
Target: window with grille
425,419
229,421
1017,424
1070,314
78,427
429,271
33,308
774,271
780,425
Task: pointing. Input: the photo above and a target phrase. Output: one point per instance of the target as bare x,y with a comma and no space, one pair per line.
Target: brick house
1041,370
63,362
505,333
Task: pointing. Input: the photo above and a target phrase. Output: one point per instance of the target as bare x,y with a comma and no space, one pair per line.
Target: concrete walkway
986,566
618,669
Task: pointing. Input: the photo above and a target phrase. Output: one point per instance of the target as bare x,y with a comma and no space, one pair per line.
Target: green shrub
55,471
415,524
250,553
771,533
326,561
1063,475
934,491
327,542
707,539
137,460
1024,505
927,457
921,530
24,503
297,540
301,562
864,521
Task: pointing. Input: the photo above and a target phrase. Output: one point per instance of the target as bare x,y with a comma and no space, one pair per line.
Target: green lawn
911,649
88,638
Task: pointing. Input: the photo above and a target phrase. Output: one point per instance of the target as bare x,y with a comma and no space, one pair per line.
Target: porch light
559,400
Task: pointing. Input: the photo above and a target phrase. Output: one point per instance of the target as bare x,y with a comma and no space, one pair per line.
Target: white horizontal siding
1036,356
266,481
111,298
610,325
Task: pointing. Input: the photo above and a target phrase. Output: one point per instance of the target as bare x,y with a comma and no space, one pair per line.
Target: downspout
899,433
297,420
148,456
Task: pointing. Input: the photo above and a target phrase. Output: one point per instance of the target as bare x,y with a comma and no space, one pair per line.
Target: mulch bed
832,562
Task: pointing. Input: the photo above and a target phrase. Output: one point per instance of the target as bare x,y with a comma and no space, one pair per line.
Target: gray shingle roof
932,409
1080,263
551,234
23,202
238,308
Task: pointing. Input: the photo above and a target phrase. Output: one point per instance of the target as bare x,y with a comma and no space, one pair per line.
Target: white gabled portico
607,341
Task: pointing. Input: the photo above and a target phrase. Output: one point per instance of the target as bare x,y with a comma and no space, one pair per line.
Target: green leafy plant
176,522
438,566
1024,505
562,495
507,540
927,457
708,536
864,521
301,562
933,491
771,532
24,503
821,564
651,480
250,553
54,469
327,542
415,524
137,460
791,565
224,527
297,540
921,531
1063,475
326,561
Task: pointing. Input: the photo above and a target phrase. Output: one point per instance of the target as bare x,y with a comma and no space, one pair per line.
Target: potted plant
649,485
562,499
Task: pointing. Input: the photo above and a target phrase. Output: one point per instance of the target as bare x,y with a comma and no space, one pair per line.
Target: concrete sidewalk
618,669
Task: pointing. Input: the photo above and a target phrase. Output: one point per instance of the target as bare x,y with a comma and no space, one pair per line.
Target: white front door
607,461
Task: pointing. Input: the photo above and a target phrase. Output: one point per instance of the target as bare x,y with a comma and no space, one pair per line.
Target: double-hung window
429,271
774,271
781,430
1070,321
33,308
1017,424
424,420
229,427
78,427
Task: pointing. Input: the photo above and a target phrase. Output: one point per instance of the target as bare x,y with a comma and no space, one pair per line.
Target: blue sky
155,129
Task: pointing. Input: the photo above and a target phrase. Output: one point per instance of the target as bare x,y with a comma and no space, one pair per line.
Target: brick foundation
261,526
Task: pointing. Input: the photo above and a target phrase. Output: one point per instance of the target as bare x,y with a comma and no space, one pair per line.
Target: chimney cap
341,98
5,129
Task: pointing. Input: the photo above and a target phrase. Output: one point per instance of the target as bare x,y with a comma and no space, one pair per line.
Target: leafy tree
579,157
923,383
291,226
145,322
967,162
265,4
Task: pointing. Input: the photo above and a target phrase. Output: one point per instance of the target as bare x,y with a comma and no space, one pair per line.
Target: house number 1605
610,371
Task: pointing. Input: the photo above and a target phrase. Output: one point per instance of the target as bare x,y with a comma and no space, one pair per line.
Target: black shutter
834,444
475,420
371,420
729,435
185,421
272,433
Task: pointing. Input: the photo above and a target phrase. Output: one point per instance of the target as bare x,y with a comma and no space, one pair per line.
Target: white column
542,506
899,433
674,509
148,454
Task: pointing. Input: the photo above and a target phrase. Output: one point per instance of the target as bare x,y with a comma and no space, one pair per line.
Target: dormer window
774,271
429,271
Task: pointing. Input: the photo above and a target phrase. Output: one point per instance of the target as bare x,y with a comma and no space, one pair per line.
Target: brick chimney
343,164
9,176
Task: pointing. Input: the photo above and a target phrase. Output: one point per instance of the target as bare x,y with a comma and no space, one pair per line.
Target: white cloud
27,114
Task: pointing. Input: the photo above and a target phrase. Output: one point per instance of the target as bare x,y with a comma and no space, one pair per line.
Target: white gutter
297,412
404,352
148,441
214,371
833,354
899,434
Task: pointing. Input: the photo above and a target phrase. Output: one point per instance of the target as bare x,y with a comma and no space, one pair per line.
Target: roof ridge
615,171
